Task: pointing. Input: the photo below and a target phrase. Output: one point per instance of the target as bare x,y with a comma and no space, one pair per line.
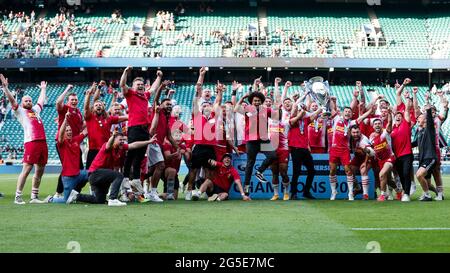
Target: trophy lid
316,79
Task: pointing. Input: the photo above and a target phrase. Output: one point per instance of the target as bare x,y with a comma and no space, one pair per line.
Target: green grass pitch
232,226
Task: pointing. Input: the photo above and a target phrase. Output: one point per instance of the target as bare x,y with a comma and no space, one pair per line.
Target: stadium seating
438,30
339,25
417,34
107,35
405,34
202,24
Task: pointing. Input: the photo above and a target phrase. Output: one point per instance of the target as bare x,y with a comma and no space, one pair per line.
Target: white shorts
154,154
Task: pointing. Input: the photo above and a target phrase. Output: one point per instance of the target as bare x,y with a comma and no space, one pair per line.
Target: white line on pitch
433,228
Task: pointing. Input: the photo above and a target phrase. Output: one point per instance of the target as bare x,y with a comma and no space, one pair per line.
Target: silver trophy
319,91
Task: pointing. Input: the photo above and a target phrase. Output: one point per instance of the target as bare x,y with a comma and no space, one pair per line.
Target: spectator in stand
164,21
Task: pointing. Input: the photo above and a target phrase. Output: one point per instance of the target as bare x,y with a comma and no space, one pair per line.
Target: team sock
399,184
440,190
350,184
34,193
286,188
365,184
333,182
170,185
154,191
18,193
275,189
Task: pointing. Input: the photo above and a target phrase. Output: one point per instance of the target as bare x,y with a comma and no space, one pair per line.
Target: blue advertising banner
320,187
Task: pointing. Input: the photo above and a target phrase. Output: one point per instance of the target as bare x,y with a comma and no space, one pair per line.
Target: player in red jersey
283,99
363,155
366,125
401,145
218,186
160,127
382,145
204,122
172,161
75,122
298,140
175,123
356,105
238,118
36,150
401,107
279,129
117,110
329,122
188,139
98,123
224,125
256,135
138,126
76,119
317,131
340,149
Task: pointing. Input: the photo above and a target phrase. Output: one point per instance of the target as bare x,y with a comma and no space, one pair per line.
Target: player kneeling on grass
218,187
172,158
69,149
102,174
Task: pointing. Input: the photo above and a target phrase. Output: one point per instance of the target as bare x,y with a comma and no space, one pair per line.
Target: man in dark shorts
204,138
426,141
137,100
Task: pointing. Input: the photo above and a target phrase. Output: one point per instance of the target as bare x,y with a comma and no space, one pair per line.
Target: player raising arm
36,150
